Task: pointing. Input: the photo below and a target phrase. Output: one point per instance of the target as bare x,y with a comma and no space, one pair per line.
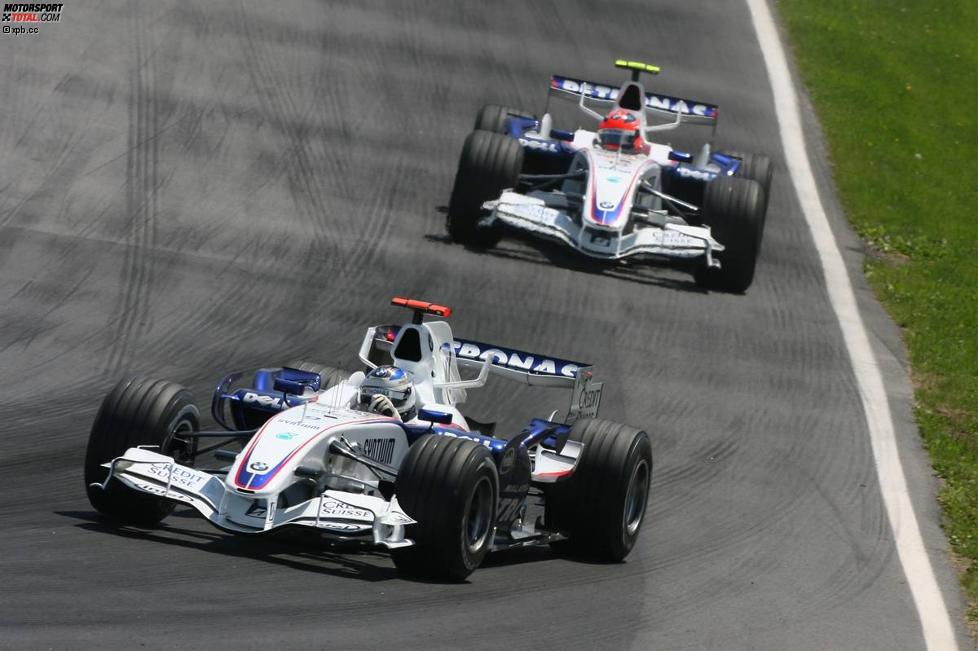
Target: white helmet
388,388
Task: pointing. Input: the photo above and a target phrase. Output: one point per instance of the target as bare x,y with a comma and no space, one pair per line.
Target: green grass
895,85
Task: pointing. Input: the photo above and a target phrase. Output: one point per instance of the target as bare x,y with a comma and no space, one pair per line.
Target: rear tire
601,507
138,411
329,377
451,487
489,164
492,117
756,167
734,209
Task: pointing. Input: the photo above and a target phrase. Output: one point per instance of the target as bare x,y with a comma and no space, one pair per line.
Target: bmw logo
606,205
258,466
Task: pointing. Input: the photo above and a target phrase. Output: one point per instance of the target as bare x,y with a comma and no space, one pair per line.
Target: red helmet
620,130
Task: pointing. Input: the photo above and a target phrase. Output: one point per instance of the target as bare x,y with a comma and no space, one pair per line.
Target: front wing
532,215
339,514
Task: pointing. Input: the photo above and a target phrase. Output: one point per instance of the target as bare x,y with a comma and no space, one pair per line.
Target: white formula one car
612,194
437,489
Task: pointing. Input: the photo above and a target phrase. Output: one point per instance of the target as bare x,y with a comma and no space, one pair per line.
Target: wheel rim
636,498
478,515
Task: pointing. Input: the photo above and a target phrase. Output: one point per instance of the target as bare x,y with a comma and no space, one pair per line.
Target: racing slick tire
138,411
450,486
329,377
601,507
492,117
756,167
490,163
734,210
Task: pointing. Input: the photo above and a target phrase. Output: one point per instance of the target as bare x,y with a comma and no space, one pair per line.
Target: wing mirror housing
680,156
294,381
433,416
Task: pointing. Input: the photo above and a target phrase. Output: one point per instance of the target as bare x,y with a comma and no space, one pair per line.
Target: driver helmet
388,384
620,131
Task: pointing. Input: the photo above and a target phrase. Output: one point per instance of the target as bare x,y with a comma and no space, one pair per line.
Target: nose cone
267,460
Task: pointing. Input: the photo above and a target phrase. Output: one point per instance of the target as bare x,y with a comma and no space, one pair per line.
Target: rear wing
536,370
693,112
529,368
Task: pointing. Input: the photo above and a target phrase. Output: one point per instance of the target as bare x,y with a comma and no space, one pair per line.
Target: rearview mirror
680,156
294,381
433,416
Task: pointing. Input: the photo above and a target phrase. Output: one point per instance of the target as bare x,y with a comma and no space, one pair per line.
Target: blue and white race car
613,193
384,458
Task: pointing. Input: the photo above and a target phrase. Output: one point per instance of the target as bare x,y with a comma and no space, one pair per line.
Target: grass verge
896,89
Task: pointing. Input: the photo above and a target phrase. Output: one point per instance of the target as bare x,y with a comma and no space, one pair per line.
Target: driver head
621,131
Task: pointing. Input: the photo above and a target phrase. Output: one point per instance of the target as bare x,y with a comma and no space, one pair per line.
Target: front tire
138,411
734,210
492,117
451,487
601,507
489,164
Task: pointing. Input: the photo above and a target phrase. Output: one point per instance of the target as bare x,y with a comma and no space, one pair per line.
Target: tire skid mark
30,334
140,201
279,109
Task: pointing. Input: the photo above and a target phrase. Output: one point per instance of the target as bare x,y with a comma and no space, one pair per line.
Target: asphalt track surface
192,188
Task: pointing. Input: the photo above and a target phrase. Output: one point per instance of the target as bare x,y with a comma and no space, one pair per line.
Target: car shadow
294,548
550,254
297,550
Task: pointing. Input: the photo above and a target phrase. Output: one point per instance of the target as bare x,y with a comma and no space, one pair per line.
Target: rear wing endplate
692,111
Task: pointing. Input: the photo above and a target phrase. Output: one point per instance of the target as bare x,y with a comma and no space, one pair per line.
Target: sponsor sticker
652,101
535,213
515,359
675,238
540,145
379,449
336,508
253,398
695,174
340,526
585,399
180,477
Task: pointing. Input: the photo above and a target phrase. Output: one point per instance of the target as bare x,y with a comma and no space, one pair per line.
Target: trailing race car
384,457
612,194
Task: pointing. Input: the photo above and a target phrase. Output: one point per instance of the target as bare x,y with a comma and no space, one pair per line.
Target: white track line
934,618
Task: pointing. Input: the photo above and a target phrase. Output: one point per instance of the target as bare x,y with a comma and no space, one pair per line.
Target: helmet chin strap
382,405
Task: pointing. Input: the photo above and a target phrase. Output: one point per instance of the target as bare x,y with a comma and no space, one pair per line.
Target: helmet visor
398,397
617,139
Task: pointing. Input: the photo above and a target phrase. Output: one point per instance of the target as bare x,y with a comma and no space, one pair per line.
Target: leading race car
613,194
384,457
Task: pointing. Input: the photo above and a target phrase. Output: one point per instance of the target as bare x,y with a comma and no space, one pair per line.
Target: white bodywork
597,213
257,492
